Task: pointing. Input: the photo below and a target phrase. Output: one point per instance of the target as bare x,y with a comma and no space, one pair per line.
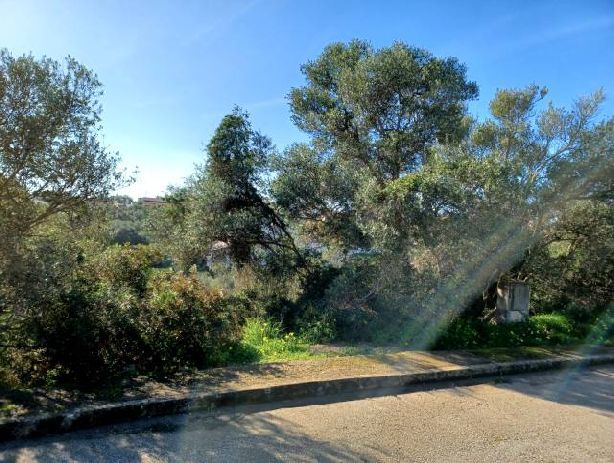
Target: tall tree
522,180
373,115
51,156
382,107
229,202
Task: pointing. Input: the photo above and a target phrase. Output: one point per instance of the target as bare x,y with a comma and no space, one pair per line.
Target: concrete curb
113,413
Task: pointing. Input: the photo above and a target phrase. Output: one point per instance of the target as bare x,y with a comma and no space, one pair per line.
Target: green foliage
398,217
538,331
86,332
448,205
317,193
601,331
350,300
227,203
127,220
105,315
373,115
418,209
572,266
382,108
471,216
552,329
52,169
51,157
168,227
297,301
267,339
460,333
125,266
317,327
182,323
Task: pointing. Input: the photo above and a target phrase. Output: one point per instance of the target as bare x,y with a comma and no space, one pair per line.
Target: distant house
152,202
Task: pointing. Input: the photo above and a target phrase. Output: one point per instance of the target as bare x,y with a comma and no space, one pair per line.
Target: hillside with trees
395,223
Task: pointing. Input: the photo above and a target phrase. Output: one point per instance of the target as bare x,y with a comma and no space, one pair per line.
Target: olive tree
52,165
227,199
473,215
382,107
373,115
51,155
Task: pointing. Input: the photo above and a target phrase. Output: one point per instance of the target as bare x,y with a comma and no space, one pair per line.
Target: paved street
550,417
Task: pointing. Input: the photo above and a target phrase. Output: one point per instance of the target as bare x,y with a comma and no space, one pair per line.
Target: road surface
548,417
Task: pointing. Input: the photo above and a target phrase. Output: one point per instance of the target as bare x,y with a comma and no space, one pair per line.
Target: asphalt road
550,417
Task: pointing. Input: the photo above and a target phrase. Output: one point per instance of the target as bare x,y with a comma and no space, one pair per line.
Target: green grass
266,340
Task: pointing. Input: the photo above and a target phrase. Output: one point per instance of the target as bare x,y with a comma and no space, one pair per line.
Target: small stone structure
218,253
512,302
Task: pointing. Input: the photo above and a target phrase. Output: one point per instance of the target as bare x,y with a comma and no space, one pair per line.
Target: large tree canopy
471,216
382,108
373,115
51,156
519,166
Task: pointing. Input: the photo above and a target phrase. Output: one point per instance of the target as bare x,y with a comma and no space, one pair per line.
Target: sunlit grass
267,341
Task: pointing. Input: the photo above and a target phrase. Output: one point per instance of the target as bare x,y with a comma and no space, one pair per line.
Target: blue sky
172,69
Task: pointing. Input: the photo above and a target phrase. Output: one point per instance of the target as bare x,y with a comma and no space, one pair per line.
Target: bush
352,302
459,334
9,378
182,323
602,332
317,328
94,317
125,265
539,330
86,334
549,329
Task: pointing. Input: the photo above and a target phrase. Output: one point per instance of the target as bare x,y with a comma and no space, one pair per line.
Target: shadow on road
235,437
570,387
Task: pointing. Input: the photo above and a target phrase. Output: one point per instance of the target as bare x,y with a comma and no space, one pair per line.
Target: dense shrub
460,334
351,300
125,266
87,323
182,323
550,329
87,333
128,236
572,267
602,330
296,301
110,313
317,327
55,319
539,330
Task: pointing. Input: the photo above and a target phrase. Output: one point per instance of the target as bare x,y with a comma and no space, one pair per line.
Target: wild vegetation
394,224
